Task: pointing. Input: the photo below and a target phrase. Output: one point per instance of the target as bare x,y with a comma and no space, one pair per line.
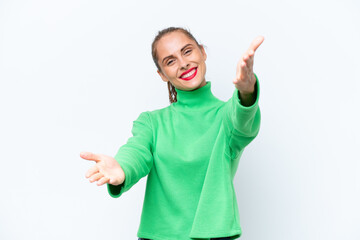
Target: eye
188,51
169,62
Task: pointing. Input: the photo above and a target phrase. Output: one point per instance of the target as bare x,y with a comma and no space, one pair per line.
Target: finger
90,156
91,171
248,59
250,63
96,177
102,181
240,68
111,180
245,61
255,44
243,71
251,53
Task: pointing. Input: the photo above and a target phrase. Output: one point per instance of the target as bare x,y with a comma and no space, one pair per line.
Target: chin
198,85
190,85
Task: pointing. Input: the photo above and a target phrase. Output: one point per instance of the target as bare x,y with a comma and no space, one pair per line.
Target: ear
163,77
203,51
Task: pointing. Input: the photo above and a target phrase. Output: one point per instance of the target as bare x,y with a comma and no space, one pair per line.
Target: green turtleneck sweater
190,151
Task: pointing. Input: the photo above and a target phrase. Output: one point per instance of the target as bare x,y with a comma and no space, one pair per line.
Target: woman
190,150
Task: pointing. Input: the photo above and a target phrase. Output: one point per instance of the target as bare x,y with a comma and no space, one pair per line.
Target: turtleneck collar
196,99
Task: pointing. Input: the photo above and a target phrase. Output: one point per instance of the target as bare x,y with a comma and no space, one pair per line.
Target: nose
183,64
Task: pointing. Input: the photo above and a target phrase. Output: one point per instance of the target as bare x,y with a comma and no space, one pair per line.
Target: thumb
90,156
111,181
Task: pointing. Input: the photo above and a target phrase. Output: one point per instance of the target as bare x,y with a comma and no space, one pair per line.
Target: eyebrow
189,44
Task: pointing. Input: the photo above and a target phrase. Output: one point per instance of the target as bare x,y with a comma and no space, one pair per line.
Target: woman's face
182,61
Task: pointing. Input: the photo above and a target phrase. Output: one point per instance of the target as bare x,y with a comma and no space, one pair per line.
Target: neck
197,99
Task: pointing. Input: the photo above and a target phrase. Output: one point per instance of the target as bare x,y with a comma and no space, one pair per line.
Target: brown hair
171,88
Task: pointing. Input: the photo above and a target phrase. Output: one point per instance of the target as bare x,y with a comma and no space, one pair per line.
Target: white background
75,74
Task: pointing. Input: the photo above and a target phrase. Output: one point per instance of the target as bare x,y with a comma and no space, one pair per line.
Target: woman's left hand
245,78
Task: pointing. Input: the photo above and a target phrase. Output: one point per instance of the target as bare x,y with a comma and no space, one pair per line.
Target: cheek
201,60
174,72
171,73
204,69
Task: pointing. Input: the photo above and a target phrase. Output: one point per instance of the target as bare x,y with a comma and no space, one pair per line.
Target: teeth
188,74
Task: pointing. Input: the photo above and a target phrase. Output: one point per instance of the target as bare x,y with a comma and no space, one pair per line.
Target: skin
245,79
174,60
107,169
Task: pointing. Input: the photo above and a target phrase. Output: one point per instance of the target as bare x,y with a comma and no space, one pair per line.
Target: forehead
171,43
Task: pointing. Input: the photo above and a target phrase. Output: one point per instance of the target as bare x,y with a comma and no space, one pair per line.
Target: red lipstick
191,76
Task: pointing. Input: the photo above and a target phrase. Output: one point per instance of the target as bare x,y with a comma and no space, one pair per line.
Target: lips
189,74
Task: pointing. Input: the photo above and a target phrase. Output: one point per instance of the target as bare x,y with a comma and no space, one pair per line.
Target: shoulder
158,112
156,115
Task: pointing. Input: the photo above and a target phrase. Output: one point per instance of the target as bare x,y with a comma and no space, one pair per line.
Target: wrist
247,98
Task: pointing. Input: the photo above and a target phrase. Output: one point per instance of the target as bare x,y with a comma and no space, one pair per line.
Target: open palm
106,169
245,79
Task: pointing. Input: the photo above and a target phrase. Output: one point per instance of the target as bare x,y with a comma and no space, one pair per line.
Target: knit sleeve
135,157
242,122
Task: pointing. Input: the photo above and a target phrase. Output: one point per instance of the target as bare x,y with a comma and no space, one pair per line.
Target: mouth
190,74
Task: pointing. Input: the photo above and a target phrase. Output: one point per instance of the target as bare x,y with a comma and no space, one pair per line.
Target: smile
190,75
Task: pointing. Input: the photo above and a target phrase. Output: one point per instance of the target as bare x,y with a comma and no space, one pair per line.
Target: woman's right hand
106,169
